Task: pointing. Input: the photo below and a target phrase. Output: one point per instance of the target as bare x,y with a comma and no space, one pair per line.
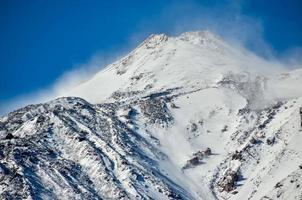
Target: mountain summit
186,117
192,60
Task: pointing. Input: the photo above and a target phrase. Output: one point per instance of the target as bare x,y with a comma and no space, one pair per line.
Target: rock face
185,117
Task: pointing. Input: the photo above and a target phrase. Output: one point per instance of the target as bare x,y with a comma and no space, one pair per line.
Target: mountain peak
196,59
199,37
194,37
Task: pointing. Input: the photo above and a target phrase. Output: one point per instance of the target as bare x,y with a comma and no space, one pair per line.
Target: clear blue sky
40,40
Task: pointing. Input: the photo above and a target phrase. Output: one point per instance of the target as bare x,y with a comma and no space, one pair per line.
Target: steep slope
70,149
186,117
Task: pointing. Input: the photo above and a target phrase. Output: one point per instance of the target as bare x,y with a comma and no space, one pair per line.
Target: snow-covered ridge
70,149
186,117
192,60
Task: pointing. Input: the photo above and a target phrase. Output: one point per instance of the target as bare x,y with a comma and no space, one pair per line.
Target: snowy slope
194,59
187,117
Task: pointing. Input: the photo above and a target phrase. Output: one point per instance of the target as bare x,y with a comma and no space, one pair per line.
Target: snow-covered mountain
187,117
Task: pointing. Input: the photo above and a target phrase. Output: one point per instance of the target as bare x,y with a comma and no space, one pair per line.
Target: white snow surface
183,95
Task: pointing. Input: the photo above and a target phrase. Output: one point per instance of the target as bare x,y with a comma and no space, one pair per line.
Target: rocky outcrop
228,182
156,111
197,158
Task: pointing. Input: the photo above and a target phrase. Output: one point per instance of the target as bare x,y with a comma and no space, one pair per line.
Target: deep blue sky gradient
41,39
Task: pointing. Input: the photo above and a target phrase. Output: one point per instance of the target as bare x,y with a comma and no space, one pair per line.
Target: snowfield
187,117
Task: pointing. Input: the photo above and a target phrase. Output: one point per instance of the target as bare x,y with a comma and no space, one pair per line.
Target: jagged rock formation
186,117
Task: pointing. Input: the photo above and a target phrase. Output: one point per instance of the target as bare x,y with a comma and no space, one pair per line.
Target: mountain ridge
186,117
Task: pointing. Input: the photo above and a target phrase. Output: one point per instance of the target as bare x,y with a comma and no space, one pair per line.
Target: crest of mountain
186,117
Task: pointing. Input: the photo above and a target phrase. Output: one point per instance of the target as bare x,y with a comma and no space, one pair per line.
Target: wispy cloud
79,74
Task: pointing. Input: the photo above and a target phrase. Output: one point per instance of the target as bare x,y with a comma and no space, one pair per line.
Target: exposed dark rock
254,140
225,128
155,109
228,182
40,119
301,116
138,77
197,158
82,138
193,127
272,111
234,192
207,152
192,162
9,136
244,111
119,95
200,122
270,140
278,185
237,155
173,105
